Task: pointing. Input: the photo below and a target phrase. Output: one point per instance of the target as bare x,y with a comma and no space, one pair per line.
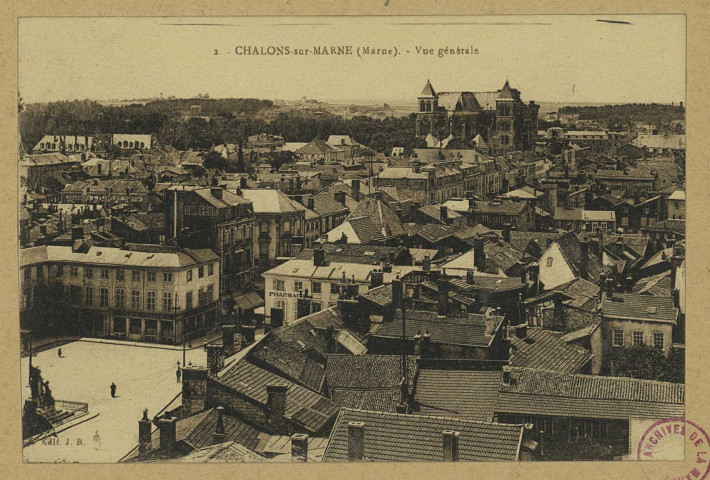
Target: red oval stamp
667,439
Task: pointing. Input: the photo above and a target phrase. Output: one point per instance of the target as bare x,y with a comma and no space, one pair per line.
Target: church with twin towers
501,119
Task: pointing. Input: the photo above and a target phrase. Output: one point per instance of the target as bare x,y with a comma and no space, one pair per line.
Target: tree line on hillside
652,113
173,122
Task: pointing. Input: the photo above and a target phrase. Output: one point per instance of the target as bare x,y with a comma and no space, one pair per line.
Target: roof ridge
416,415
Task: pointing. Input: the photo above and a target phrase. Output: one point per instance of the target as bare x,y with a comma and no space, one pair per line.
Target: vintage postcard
378,239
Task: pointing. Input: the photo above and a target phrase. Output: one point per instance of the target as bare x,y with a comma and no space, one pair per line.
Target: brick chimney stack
299,447
451,445
275,406
144,433
356,441
219,436
168,434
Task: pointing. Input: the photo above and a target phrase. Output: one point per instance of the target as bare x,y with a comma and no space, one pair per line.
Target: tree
650,363
214,161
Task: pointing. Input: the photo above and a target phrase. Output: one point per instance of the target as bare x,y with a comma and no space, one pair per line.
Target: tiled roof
303,406
434,211
582,292
674,226
640,307
623,175
353,253
381,295
465,394
418,254
434,232
656,285
538,392
228,452
380,400
365,372
381,215
317,146
365,229
468,329
392,437
271,201
544,349
581,333
521,240
502,254
200,435
280,445
507,207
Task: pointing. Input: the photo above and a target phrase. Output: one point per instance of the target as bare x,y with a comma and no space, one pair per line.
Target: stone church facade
501,118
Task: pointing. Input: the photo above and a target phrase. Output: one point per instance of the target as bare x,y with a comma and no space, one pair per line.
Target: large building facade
144,293
504,121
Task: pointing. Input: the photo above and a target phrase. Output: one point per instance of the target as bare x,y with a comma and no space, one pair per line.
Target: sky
548,58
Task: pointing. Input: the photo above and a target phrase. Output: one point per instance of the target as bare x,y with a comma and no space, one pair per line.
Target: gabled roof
465,394
467,329
392,437
381,215
640,307
317,147
544,349
365,229
271,201
304,407
540,392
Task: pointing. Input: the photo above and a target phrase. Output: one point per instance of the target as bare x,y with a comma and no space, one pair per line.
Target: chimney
356,188
311,203
479,255
444,213
521,331
77,233
418,343
248,334
356,441
144,432
216,192
330,339
584,259
491,324
443,297
470,276
451,445
194,394
506,233
425,348
471,203
168,434
339,197
506,374
219,436
426,263
299,447
275,406
243,182
228,338
318,257
396,293
376,278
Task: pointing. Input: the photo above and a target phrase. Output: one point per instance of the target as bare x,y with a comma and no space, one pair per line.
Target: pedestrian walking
177,374
113,390
59,352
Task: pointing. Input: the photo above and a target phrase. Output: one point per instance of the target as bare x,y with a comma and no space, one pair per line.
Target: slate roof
521,240
657,285
392,437
228,452
640,307
468,329
544,349
539,392
304,407
465,394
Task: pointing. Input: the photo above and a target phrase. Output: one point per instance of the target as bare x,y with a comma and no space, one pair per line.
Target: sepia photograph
352,239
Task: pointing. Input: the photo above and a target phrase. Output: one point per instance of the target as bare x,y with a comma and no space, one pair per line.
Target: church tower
428,108
505,119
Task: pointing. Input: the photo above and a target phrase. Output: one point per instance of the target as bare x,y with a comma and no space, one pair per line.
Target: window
60,270
200,271
316,287
135,299
549,261
210,293
298,286
201,299
167,277
151,276
73,271
103,274
89,295
189,275
28,274
210,269
281,304
618,338
316,307
167,301
135,275
88,272
279,285
120,298
103,297
658,339
188,300
150,300
120,275
638,339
